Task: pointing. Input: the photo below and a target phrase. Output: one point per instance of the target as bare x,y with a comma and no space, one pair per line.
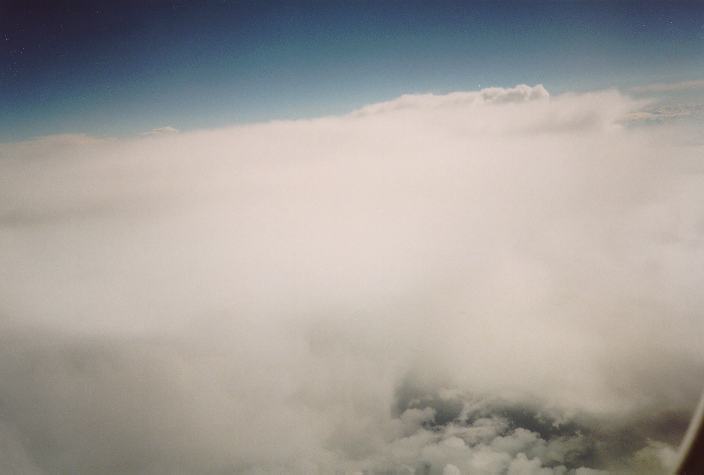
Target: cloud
451,470
666,112
424,102
162,131
500,281
668,87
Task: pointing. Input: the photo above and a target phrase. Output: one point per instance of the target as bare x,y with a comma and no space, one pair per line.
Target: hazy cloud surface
492,282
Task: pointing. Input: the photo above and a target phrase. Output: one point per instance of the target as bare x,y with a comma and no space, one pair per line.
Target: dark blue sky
113,68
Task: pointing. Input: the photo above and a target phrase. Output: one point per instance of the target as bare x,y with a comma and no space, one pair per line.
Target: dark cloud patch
413,393
577,440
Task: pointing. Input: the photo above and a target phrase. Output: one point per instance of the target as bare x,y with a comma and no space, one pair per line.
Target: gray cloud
162,130
669,87
667,112
494,282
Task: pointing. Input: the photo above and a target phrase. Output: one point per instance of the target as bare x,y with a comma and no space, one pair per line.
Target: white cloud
655,458
450,469
495,95
355,293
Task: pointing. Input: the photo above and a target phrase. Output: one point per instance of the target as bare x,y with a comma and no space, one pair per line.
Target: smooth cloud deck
419,285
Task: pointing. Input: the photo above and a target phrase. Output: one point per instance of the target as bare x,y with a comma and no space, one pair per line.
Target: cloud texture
492,282
669,87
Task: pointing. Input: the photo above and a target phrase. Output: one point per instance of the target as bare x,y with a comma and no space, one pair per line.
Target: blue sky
116,68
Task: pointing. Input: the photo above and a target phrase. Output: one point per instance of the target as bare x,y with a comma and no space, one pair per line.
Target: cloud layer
669,87
491,282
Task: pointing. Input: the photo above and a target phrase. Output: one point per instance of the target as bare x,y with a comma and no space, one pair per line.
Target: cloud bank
669,87
491,282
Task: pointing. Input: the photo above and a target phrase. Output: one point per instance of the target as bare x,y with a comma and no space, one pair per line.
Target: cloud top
497,95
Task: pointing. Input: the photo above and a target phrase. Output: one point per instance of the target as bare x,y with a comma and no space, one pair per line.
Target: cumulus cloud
489,282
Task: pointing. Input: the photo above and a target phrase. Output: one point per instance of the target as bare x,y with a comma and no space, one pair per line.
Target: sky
120,68
350,238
